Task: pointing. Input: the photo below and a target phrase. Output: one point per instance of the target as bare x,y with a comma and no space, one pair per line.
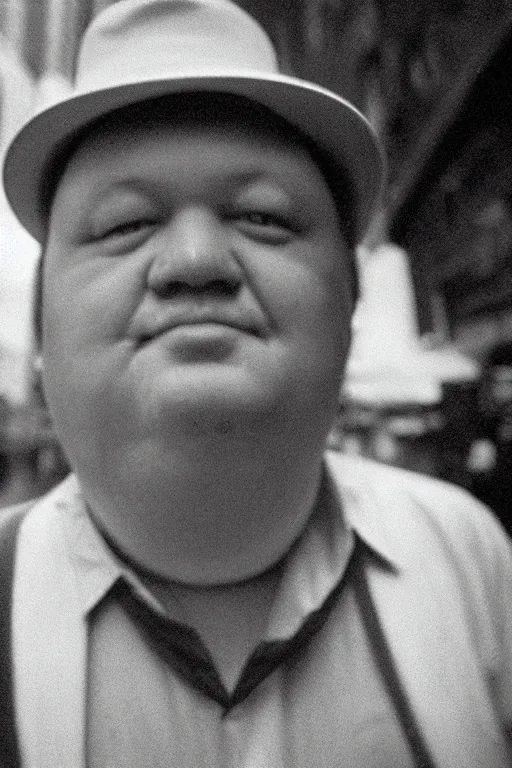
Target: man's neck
211,517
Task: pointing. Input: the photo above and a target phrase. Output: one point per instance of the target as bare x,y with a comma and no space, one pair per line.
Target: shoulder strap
9,753
386,666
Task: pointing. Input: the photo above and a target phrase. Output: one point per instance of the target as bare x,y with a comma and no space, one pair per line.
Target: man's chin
221,408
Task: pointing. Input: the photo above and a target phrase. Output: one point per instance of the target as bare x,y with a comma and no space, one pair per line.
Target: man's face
196,279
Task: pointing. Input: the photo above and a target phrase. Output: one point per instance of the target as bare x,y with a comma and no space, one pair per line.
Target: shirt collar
361,506
314,565
317,561
95,565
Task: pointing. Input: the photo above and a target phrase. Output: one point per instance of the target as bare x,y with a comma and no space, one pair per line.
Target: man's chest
325,708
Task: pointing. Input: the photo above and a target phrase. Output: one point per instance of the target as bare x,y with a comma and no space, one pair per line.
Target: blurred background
429,383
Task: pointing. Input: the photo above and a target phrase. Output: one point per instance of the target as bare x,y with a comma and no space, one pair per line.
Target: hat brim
334,124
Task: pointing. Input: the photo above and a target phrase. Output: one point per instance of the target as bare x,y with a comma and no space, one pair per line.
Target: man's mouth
146,328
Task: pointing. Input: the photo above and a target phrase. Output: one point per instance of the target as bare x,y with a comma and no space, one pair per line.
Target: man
208,588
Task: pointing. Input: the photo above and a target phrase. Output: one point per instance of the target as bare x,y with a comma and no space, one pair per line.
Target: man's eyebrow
103,189
138,184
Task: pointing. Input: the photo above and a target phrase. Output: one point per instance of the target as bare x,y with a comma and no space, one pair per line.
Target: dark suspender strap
386,665
9,753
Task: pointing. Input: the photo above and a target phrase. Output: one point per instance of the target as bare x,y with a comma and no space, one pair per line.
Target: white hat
141,49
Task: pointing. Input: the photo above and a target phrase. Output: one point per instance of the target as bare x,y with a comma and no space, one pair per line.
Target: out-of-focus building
451,199
37,49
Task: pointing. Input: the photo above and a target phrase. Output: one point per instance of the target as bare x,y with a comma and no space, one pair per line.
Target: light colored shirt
90,692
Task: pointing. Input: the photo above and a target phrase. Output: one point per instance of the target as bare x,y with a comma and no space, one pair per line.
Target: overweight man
209,588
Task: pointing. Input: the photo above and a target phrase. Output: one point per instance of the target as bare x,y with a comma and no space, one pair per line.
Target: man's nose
195,254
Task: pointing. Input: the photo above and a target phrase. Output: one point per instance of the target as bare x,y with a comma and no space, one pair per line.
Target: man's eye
265,226
263,219
127,228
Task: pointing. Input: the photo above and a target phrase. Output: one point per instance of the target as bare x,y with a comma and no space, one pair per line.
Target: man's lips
147,326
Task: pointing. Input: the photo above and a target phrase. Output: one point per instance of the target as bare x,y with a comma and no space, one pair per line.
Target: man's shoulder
420,505
386,482
12,515
15,510
388,479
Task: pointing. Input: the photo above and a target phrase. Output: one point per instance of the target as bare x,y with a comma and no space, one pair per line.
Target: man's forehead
195,112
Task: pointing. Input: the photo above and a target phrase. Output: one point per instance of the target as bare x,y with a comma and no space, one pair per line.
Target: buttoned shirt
91,691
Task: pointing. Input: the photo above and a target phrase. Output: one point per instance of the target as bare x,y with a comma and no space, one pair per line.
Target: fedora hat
141,49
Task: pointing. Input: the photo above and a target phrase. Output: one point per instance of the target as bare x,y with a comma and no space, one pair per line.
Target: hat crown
137,50
136,40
